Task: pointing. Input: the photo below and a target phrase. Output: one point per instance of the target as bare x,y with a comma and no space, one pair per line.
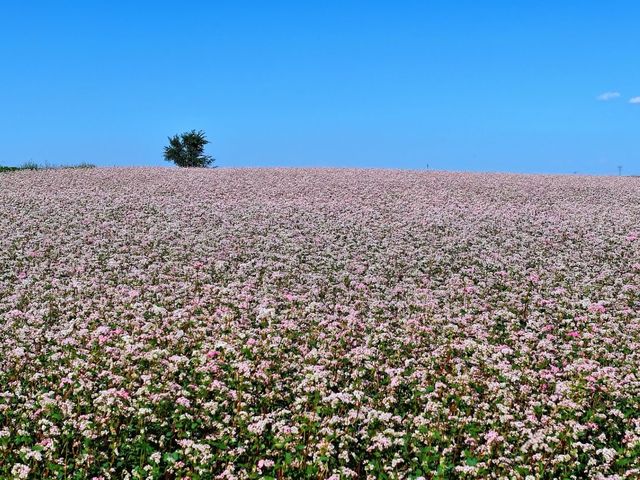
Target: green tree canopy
187,150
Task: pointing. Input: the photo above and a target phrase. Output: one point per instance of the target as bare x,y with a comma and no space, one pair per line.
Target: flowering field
313,324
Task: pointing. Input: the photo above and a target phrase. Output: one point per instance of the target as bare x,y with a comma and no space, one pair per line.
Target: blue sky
456,85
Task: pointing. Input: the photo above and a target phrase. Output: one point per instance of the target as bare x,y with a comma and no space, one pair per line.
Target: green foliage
30,165
187,150
78,165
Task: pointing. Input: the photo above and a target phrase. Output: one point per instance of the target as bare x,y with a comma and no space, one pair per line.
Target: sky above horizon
530,86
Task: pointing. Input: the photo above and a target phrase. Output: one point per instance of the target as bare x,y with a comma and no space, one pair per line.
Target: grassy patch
46,166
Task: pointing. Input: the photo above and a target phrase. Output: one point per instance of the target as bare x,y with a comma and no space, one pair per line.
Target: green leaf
472,461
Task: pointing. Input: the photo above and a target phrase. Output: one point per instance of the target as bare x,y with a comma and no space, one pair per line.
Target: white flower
20,471
608,454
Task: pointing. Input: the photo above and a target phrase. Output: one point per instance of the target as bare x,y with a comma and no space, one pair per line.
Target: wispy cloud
606,96
635,100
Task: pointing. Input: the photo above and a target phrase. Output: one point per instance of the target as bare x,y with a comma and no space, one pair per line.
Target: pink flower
574,334
492,437
47,442
122,393
20,470
265,463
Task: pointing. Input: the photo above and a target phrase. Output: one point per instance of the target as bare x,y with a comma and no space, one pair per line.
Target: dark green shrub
187,150
30,165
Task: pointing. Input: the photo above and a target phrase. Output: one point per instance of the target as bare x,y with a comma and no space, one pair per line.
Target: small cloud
606,96
635,100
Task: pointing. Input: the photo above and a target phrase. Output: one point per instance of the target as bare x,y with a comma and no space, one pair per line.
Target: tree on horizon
187,150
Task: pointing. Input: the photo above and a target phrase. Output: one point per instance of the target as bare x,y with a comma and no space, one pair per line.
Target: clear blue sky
458,85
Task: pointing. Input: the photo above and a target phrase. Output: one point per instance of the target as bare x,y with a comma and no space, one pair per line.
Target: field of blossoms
318,324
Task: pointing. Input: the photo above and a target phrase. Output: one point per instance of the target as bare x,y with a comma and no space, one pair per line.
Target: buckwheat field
318,324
